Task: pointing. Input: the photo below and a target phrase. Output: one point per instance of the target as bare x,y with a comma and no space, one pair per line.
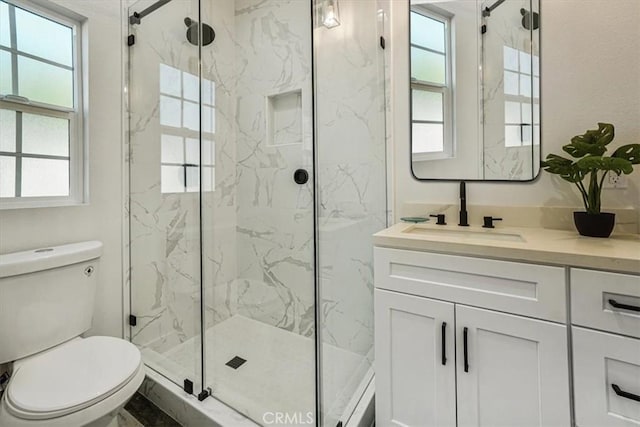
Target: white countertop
620,252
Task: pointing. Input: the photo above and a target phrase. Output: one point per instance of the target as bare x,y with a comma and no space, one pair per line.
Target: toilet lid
72,376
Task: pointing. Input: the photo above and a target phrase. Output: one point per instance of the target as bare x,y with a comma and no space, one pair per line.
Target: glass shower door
258,222
164,178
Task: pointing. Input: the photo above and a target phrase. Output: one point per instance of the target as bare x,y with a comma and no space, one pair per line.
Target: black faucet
464,221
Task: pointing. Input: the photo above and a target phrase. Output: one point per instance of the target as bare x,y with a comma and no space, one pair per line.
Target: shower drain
236,362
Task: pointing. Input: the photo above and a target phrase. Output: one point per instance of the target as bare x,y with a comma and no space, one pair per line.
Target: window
431,85
521,76
41,146
180,131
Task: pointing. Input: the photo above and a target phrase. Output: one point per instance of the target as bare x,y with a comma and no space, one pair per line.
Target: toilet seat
71,377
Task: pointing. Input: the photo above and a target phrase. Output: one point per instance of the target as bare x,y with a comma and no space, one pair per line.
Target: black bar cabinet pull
616,304
444,343
625,394
465,336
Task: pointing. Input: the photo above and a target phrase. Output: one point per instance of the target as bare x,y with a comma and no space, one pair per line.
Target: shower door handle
301,176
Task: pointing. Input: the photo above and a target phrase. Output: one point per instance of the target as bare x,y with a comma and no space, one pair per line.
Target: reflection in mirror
475,89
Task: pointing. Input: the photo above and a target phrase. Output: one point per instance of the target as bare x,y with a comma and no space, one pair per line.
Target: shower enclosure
257,175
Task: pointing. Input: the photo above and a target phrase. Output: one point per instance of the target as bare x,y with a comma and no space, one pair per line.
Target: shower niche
284,118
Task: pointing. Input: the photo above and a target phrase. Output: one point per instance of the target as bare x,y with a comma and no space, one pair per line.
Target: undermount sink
489,234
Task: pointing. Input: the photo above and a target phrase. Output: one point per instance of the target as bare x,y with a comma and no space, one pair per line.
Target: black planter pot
594,225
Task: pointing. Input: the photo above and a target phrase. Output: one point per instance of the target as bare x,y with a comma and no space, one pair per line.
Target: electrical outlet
616,181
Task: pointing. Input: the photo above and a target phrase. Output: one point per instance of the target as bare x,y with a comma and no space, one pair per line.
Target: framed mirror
475,89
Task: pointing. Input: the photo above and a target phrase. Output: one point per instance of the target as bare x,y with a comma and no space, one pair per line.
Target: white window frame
530,101
186,133
78,170
446,90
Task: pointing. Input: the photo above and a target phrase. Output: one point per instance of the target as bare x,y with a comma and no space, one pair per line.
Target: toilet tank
46,297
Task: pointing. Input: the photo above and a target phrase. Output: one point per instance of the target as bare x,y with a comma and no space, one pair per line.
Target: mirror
475,89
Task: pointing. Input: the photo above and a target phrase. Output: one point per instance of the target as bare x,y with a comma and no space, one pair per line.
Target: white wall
590,73
101,219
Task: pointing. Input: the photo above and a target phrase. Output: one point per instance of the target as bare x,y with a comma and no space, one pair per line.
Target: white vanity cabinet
605,311
484,366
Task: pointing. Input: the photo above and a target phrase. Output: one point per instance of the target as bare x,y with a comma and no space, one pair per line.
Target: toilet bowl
83,382
58,378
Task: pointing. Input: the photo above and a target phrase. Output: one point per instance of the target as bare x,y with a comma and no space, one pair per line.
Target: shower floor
278,375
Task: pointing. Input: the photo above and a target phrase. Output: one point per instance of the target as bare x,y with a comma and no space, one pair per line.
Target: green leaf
592,142
630,152
613,164
567,169
579,149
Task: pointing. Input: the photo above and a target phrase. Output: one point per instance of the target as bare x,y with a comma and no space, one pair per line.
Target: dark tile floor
148,414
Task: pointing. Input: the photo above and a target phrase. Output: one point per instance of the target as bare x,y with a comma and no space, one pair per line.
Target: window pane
427,32
45,83
525,85
208,120
172,149
511,83
45,135
510,59
208,179
427,66
208,155
193,151
172,179
427,105
170,112
525,63
170,80
190,115
427,138
5,73
191,87
193,179
45,177
44,38
5,39
512,112
512,136
7,176
8,131
208,92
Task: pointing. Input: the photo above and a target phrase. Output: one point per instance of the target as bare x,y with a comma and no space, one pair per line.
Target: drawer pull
625,394
616,304
465,333
444,343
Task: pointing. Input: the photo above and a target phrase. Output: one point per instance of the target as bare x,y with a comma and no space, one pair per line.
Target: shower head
530,20
208,35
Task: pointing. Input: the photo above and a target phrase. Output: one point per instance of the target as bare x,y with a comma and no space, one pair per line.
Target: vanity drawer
600,361
531,290
594,295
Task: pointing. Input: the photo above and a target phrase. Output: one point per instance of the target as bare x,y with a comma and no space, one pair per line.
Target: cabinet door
600,361
415,385
516,371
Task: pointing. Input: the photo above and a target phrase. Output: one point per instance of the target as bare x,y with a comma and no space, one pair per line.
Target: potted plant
588,170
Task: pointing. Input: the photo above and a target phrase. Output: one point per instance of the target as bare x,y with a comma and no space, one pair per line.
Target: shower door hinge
131,40
188,386
383,42
133,320
204,394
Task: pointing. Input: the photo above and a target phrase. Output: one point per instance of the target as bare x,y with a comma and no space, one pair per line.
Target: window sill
425,157
12,204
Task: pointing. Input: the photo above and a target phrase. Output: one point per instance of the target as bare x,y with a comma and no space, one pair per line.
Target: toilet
59,378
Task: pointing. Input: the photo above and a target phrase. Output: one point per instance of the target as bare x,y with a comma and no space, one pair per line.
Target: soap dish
414,219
